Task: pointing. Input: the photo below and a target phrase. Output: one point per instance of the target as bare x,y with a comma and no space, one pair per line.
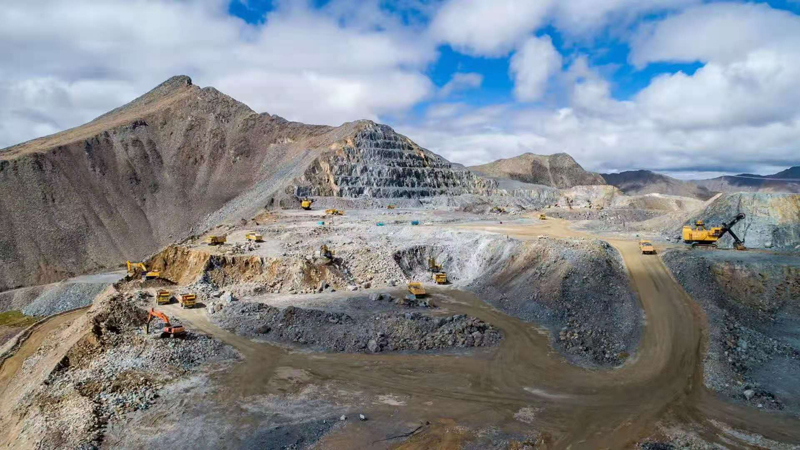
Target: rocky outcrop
377,162
559,170
639,182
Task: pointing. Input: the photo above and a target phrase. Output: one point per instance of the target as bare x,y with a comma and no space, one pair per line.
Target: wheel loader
136,270
168,329
700,236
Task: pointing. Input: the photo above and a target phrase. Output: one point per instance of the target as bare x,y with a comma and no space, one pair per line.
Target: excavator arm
156,314
738,244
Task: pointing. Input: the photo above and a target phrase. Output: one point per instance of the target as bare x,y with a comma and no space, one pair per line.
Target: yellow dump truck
416,289
163,297
216,240
440,278
188,300
253,236
647,247
542,217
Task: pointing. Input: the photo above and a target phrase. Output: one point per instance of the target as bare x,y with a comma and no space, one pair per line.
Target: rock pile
340,332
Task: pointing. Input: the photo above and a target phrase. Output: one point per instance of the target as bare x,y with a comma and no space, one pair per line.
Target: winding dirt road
575,407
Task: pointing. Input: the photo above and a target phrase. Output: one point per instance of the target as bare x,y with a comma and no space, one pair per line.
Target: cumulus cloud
532,66
460,82
72,61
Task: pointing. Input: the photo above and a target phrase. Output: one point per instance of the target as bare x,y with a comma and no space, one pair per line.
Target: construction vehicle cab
139,269
416,289
216,240
188,300
253,236
306,203
168,329
647,247
163,297
708,237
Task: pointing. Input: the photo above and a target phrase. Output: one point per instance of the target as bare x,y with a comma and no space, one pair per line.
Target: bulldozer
416,289
439,275
163,297
306,203
334,212
253,236
168,329
216,240
188,300
700,236
136,270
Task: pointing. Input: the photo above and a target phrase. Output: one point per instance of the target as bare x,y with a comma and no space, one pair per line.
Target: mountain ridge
558,170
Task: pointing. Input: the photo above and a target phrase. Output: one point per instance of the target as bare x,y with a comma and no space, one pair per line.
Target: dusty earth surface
630,352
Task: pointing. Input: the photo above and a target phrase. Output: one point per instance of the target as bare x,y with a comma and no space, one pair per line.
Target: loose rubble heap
364,332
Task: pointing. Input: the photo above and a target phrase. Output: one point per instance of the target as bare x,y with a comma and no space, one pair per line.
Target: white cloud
74,61
460,82
532,66
488,27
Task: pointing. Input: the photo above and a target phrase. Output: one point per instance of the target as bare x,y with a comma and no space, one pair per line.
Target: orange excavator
169,329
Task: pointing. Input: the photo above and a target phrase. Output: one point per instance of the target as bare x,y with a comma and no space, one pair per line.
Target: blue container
321,222
415,222
380,224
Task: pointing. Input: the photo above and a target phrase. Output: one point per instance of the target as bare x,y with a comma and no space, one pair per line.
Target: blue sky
690,88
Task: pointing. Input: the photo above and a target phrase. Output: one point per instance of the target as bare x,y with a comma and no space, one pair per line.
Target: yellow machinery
326,254
253,236
702,236
139,269
416,289
334,212
391,207
216,240
647,247
163,297
498,210
306,203
439,275
188,300
542,217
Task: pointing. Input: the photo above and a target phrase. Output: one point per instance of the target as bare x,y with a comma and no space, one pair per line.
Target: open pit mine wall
129,190
379,163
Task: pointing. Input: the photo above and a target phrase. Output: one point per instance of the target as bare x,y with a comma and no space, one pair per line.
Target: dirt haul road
519,386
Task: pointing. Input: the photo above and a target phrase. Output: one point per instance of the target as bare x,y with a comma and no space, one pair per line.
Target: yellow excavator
700,236
306,203
439,275
334,212
138,269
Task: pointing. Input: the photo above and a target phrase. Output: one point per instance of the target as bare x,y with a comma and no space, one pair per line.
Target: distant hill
559,170
784,181
640,182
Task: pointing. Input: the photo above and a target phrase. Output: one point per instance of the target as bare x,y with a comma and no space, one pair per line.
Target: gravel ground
754,317
64,297
115,370
365,331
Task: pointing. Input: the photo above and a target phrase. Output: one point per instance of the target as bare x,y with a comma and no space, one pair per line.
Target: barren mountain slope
785,181
143,175
558,170
638,182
